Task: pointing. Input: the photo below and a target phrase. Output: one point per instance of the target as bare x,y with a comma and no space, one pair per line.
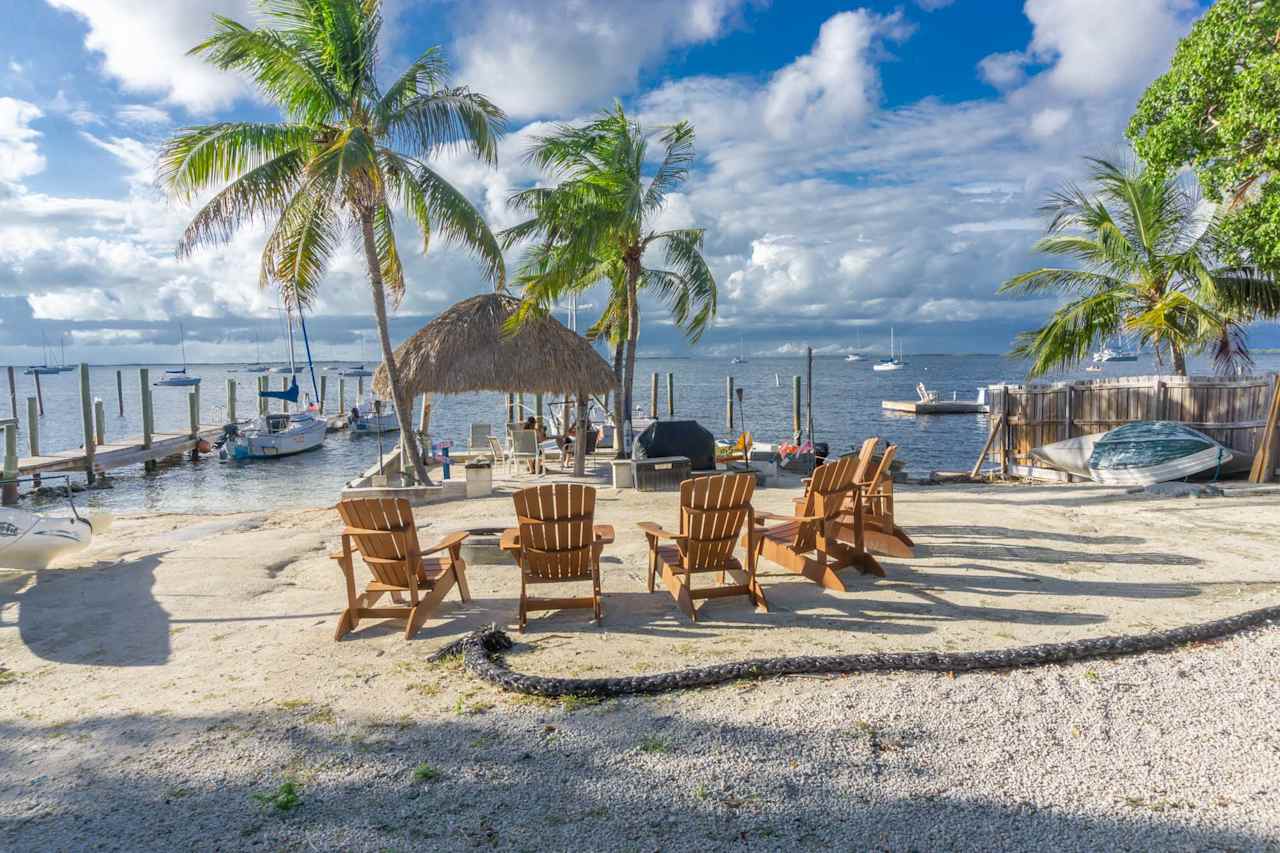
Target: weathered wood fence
1232,411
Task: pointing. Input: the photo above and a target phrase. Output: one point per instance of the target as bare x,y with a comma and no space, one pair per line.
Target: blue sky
862,165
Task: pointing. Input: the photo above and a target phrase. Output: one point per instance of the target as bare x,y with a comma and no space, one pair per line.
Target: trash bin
479,478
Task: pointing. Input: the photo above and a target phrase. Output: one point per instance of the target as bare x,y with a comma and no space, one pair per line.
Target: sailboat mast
288,313
182,342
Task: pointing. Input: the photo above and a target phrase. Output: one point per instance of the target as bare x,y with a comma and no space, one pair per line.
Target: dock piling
795,408
262,401
193,412
13,394
231,401
284,386
39,395
100,421
342,396
86,421
359,389
9,493
148,415
653,396
809,415
33,427
671,395
120,391
324,392
728,403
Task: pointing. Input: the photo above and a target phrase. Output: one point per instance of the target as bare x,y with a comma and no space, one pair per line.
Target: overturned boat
1139,454
30,541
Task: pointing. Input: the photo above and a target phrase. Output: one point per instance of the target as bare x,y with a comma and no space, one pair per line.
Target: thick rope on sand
482,656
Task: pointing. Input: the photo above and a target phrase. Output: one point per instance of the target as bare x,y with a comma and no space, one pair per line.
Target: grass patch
284,798
655,744
424,772
1090,675
425,690
320,716
463,708
292,704
572,702
8,676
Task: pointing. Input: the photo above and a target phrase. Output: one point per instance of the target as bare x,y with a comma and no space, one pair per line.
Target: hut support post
100,421
120,392
39,395
148,414
728,403
653,396
9,494
424,417
86,421
580,439
231,401
537,406
511,408
671,395
13,395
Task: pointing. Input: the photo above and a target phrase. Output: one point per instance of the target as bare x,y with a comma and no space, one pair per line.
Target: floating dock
936,407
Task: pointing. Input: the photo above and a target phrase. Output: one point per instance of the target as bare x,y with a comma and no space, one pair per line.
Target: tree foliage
1146,263
1217,110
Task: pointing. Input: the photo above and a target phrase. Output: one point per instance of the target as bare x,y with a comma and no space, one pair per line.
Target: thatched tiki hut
468,348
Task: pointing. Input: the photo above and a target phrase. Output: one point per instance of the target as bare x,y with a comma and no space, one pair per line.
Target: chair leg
460,578
523,618
653,565
679,592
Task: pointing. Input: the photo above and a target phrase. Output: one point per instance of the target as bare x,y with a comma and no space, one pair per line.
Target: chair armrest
510,539
603,533
447,542
761,517
656,531
361,531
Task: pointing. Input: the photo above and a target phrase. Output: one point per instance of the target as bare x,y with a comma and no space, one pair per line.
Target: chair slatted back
713,511
388,538
480,434
524,442
865,456
556,530
495,449
883,473
828,490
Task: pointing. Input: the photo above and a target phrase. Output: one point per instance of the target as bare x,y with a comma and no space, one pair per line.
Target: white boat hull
1175,469
1071,455
883,367
302,435
1138,454
386,422
30,541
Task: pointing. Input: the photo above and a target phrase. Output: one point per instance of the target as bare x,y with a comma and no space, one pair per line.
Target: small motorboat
1139,454
375,417
30,541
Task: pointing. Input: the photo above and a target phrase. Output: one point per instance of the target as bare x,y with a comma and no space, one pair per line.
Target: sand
154,683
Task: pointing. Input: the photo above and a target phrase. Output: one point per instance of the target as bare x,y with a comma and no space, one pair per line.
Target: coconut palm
1146,253
345,157
597,225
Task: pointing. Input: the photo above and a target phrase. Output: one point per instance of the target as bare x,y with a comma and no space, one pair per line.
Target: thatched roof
465,350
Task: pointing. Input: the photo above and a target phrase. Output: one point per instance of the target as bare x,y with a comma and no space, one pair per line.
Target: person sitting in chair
540,435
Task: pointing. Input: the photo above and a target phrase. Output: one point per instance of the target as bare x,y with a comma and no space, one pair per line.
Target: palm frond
198,158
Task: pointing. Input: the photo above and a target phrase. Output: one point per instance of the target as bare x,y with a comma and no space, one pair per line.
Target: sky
861,166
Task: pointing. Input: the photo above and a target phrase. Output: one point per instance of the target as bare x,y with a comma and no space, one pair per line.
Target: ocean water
846,409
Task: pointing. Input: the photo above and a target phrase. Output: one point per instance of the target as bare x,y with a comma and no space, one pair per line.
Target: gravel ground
1172,751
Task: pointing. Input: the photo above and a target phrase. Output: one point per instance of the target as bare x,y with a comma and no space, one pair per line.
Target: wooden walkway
117,454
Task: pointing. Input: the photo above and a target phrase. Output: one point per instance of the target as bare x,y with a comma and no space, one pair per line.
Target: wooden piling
795,408
148,415
120,391
342,396
33,427
809,400
9,493
284,386
324,391
193,412
231,401
671,395
100,421
86,421
359,389
13,394
728,403
264,405
39,395
653,396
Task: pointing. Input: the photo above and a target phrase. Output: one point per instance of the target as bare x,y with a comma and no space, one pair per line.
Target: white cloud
19,154
835,83
137,156
1049,121
142,114
1098,47
539,57
1003,70
144,43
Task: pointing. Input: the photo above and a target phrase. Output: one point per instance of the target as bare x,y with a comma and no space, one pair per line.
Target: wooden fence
1232,411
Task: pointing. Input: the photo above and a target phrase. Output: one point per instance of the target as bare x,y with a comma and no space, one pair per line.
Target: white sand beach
156,683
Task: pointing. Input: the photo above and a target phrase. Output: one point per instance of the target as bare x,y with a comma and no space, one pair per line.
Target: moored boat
30,541
374,418
1138,454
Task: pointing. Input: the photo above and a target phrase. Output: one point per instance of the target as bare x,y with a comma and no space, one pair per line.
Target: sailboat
42,369
257,366
741,357
893,362
357,370
63,367
177,376
286,433
1117,353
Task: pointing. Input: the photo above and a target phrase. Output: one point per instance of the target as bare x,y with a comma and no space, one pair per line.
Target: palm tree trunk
407,438
619,348
1179,359
633,335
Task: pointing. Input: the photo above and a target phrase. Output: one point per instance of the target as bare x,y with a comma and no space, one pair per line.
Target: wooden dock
935,407
130,451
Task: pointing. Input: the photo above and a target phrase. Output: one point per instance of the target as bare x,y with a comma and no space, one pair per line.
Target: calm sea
847,397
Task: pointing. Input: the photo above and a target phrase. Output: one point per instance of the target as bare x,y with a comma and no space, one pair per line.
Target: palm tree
1147,255
597,225
346,153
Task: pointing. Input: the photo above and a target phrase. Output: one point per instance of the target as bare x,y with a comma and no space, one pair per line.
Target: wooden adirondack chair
865,455
881,529
382,532
557,542
713,512
812,531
